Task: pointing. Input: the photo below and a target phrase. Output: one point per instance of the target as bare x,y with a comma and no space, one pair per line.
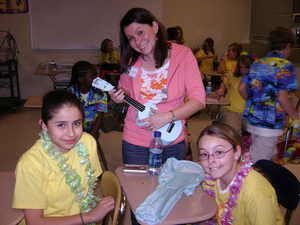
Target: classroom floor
19,131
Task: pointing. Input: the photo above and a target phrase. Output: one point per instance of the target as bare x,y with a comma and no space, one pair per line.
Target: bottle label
155,158
208,90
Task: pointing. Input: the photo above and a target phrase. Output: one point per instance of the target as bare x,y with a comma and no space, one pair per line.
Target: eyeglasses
217,155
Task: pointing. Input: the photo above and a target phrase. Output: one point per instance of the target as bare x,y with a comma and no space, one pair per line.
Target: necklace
291,151
234,190
86,202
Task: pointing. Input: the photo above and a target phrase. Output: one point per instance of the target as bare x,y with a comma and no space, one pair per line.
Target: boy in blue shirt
265,88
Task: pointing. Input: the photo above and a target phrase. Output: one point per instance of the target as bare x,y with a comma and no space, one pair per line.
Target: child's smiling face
110,46
65,127
223,168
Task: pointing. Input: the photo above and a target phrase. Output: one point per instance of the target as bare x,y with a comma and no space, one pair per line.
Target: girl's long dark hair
211,42
128,55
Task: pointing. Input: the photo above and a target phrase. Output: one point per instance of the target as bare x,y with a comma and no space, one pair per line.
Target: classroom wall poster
13,6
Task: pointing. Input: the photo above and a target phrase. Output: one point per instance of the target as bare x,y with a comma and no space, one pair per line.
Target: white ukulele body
169,133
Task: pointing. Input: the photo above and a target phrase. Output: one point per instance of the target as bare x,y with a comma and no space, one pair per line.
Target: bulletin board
81,24
13,6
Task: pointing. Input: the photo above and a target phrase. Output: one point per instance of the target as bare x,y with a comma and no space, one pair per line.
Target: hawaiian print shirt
96,102
265,78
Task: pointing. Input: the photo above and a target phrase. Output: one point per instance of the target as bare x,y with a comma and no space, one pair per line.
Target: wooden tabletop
53,70
34,101
213,99
189,209
211,73
44,72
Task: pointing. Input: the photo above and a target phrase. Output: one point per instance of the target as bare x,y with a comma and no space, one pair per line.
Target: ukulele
169,133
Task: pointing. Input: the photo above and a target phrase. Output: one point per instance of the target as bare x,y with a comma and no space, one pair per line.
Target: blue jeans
134,154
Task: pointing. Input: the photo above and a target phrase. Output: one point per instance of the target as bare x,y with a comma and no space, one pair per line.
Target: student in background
55,178
265,88
94,101
108,55
229,59
180,39
242,194
207,55
172,34
233,114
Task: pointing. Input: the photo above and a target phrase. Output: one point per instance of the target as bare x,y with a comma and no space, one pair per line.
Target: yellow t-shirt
40,184
257,202
237,103
111,58
206,64
229,66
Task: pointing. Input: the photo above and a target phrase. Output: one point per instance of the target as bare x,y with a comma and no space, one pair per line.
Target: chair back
285,183
110,186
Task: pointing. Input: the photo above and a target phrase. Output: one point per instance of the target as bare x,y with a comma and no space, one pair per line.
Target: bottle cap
157,134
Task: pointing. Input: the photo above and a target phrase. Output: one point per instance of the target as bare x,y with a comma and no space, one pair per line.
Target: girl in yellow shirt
230,59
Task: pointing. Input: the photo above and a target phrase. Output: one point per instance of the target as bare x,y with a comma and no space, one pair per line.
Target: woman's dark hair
236,47
210,42
57,99
79,69
226,133
128,55
280,37
172,33
181,40
104,45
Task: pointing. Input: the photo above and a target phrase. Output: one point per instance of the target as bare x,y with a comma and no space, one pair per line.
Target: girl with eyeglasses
242,194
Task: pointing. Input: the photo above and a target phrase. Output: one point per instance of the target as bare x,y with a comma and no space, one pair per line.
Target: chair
286,185
288,125
110,186
102,159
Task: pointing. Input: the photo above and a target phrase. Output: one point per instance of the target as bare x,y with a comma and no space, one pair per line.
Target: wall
53,23
224,21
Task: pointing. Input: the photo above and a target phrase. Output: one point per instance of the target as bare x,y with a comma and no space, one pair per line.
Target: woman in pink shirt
159,72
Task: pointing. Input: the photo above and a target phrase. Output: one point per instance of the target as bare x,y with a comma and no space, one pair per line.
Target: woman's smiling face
142,37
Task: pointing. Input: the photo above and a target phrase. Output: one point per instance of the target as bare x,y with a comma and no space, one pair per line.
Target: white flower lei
86,202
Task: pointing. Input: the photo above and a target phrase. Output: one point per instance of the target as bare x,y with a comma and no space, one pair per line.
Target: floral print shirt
265,78
96,102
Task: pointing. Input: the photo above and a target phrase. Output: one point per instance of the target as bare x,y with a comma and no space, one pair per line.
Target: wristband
173,116
81,219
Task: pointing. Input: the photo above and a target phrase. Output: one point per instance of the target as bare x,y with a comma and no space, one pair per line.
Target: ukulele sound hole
170,128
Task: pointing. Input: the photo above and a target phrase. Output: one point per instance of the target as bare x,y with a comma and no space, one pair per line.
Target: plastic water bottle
208,88
155,154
